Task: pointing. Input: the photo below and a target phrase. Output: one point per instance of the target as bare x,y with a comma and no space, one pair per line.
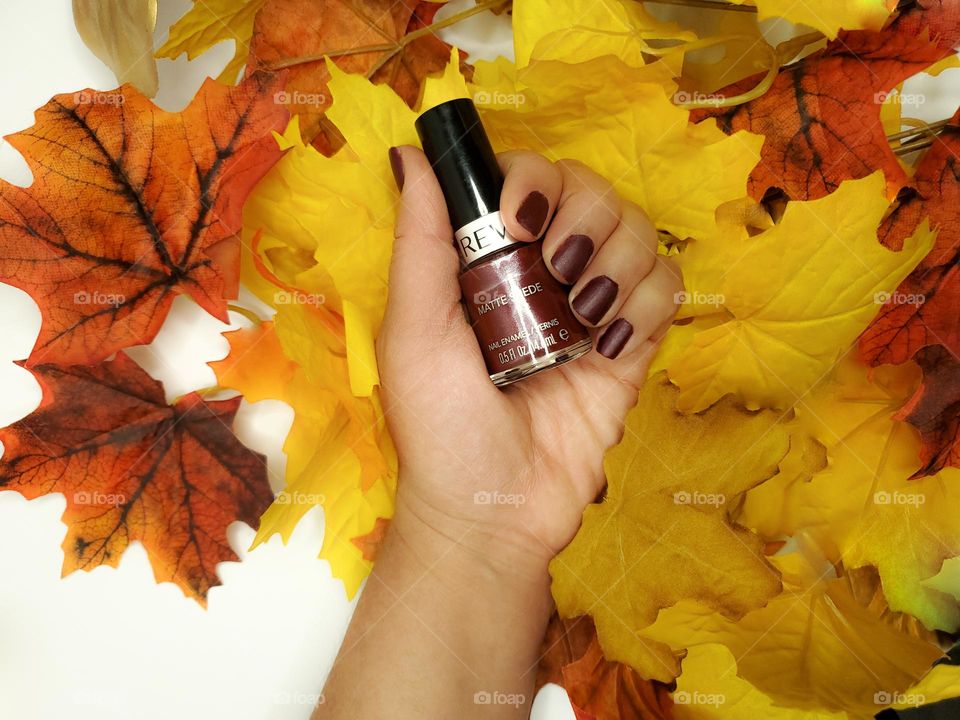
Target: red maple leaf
821,117
133,467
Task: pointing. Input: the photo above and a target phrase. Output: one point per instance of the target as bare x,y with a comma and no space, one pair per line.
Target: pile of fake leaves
779,536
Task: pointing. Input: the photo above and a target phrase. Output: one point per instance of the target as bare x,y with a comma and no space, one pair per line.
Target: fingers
424,293
531,192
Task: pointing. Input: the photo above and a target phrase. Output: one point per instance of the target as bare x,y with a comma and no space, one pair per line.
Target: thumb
423,304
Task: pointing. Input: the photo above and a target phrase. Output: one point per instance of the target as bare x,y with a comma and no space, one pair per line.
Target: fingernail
572,256
596,298
533,212
614,338
396,164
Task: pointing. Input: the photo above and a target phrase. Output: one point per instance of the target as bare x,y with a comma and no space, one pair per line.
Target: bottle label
481,237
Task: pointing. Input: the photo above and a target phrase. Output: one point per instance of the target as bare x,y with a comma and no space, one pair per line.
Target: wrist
472,550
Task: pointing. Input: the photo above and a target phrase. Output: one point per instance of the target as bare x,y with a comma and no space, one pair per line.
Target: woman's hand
509,472
492,482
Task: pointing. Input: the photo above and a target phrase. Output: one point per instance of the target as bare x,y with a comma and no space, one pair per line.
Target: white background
112,643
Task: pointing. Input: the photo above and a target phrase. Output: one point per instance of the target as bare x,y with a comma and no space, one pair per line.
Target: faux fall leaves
781,498
130,206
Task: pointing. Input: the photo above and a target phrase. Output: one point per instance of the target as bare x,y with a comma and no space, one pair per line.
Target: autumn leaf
133,468
299,34
709,688
661,533
210,22
121,35
791,300
852,493
598,689
827,16
131,206
339,456
826,642
821,118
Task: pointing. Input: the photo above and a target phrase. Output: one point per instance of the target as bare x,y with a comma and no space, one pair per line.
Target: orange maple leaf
297,34
131,205
133,467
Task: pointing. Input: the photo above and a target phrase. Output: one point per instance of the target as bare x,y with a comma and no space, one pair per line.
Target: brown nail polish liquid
518,311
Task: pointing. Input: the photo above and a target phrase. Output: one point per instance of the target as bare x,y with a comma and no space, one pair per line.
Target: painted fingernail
596,298
396,164
533,212
614,338
572,256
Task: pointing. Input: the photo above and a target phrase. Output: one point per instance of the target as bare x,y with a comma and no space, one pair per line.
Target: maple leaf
790,300
339,456
821,117
825,642
130,206
133,468
661,534
300,34
710,689
210,22
850,491
598,689
919,320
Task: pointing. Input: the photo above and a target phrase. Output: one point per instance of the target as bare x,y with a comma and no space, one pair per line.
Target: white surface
112,643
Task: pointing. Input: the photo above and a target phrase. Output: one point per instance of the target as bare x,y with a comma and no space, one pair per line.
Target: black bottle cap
457,147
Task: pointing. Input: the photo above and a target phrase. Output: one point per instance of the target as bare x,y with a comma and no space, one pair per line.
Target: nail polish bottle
518,310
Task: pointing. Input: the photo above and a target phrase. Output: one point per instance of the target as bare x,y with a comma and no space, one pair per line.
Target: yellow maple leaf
827,16
210,22
824,642
710,689
860,505
587,29
795,299
339,454
628,131
661,533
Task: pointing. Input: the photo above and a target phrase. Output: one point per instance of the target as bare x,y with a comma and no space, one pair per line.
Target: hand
509,472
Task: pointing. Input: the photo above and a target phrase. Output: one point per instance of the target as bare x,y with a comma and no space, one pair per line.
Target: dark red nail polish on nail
596,298
533,212
614,338
396,164
518,310
571,258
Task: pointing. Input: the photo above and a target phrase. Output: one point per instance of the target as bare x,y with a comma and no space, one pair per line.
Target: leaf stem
708,4
246,312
